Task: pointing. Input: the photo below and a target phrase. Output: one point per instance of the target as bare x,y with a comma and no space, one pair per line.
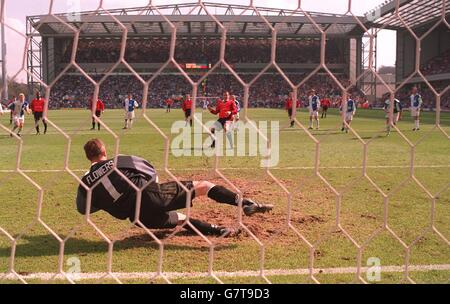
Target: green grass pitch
313,204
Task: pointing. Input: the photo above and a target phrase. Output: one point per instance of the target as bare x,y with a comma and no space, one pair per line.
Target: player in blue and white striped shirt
416,104
236,117
397,111
314,106
129,106
19,108
350,111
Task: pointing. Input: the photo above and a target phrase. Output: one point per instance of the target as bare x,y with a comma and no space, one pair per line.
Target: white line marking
250,273
251,168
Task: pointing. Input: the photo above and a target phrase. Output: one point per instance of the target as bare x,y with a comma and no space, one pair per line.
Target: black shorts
38,116
325,108
187,113
290,112
159,202
98,113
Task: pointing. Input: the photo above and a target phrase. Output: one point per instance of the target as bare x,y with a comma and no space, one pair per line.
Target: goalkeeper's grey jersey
110,191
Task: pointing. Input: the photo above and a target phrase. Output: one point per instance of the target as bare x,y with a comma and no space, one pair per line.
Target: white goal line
189,275
250,168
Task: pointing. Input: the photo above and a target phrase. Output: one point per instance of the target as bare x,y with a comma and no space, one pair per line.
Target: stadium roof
415,13
190,19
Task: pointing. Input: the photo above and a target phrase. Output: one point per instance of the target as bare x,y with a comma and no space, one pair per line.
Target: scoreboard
197,66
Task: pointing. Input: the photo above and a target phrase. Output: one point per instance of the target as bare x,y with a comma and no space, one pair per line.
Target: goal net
40,175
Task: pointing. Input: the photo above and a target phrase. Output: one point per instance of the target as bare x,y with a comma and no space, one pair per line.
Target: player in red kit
226,109
8,106
37,107
326,104
99,109
169,103
289,106
187,109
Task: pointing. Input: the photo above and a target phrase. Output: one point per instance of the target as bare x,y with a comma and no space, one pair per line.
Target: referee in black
159,202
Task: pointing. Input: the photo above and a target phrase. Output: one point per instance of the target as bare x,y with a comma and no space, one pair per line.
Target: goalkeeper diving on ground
159,202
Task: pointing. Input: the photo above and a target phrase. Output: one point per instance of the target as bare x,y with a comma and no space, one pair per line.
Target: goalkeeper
113,194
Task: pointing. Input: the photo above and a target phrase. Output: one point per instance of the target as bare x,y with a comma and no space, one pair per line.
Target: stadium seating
437,65
269,91
429,99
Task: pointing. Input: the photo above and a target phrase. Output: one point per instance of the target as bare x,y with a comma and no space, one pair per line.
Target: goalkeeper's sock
203,227
222,195
213,144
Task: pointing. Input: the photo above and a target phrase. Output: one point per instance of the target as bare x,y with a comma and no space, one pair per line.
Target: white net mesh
312,245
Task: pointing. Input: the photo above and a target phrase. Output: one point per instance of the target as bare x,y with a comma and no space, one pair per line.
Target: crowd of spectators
428,97
200,51
73,91
268,91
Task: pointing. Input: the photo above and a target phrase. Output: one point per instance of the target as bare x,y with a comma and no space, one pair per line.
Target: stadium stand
437,65
269,91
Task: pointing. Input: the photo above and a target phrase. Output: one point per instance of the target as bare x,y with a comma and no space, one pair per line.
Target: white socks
230,139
